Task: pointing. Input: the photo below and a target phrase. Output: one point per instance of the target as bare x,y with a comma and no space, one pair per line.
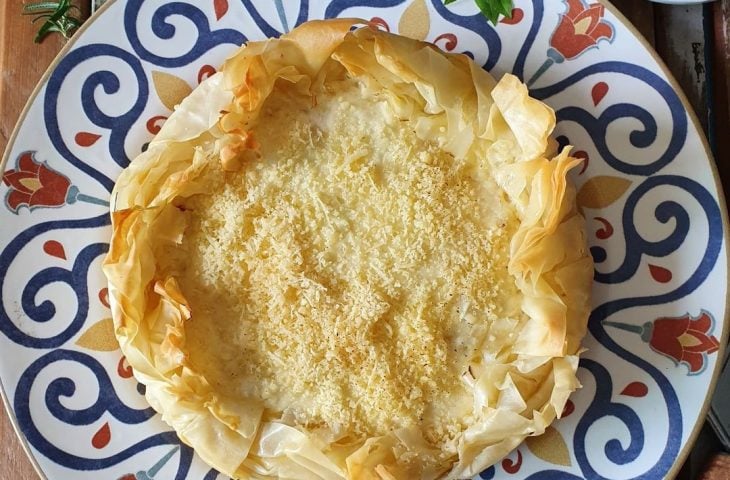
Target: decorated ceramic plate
647,187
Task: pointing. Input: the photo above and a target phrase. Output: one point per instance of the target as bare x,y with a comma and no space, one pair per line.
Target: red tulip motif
33,184
581,28
686,340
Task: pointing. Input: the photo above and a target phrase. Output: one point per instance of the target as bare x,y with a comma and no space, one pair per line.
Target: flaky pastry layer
348,255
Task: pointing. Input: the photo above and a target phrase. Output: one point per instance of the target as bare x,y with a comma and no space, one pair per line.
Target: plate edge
3,162
681,457
691,439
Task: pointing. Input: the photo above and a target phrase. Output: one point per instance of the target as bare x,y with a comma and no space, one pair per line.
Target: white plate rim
668,76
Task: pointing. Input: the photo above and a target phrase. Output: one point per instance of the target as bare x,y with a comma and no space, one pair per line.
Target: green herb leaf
31,8
492,9
57,16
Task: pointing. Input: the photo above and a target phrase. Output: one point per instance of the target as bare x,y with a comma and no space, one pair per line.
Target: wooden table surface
678,33
19,76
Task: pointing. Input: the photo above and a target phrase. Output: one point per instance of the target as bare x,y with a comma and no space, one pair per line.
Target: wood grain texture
705,448
14,464
681,42
22,63
718,469
641,15
721,88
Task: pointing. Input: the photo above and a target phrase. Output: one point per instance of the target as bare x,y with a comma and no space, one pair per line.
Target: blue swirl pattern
109,83
336,7
205,40
118,127
598,127
106,402
476,24
74,278
266,28
146,33
601,406
538,11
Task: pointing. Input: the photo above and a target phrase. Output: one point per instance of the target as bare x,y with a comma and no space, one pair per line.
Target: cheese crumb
347,277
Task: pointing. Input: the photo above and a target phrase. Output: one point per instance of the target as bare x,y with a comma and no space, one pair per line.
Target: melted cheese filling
347,277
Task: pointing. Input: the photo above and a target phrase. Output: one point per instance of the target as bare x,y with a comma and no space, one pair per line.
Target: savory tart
350,255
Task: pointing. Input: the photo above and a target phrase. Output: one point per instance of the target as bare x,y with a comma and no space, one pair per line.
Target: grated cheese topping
347,277
350,255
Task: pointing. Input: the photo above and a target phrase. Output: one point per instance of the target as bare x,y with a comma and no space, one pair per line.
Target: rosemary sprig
492,9
57,16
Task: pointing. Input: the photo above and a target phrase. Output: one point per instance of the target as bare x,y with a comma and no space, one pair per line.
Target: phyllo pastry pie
350,255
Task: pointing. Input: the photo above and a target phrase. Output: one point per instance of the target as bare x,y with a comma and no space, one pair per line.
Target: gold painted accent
99,337
170,89
694,433
581,28
601,191
415,21
550,447
688,340
693,121
3,165
31,184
